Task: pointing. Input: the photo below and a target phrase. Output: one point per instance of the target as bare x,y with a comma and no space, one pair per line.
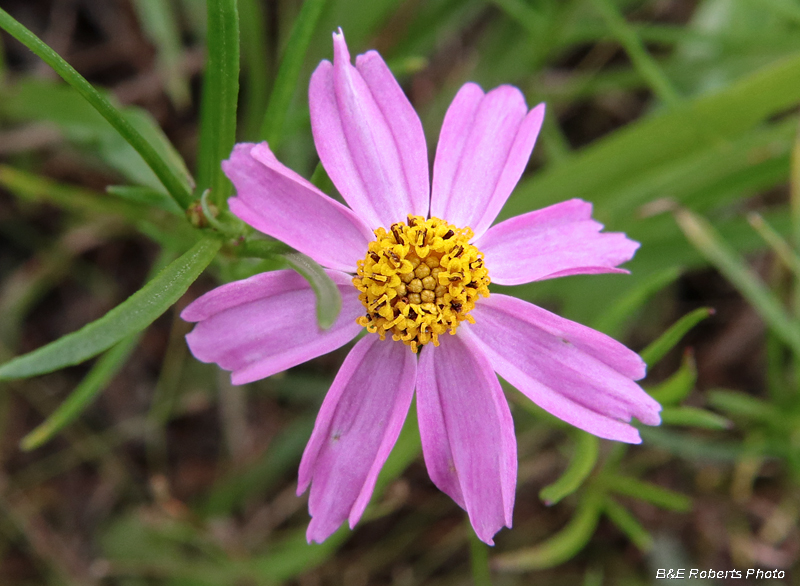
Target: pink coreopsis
413,260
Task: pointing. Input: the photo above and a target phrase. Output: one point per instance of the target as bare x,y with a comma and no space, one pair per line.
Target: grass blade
661,497
688,416
657,349
160,167
627,523
159,22
256,65
220,97
131,316
289,71
642,60
678,386
738,404
709,243
580,466
561,546
95,381
779,246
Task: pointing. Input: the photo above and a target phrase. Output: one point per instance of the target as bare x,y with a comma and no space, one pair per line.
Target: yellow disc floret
420,279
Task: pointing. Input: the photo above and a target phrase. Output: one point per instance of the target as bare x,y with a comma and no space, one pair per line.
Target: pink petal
356,429
467,433
556,241
571,371
369,137
267,323
484,146
277,201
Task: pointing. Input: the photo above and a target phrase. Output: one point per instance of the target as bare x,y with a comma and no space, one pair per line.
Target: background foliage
125,461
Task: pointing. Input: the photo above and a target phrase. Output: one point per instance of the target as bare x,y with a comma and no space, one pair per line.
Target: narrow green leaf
580,466
560,547
525,14
220,98
256,68
160,167
329,300
678,386
30,187
93,383
44,100
687,416
738,404
690,447
662,497
657,349
776,242
131,316
627,523
711,245
145,196
159,21
601,170
644,63
267,249
289,71
612,319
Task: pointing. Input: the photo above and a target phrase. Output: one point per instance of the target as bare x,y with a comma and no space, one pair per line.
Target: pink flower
420,257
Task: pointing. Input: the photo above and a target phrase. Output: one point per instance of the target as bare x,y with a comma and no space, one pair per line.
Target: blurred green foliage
692,118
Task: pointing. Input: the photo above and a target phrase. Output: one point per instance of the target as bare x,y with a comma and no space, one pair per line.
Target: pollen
420,279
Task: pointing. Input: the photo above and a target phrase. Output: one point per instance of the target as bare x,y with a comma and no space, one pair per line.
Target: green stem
479,559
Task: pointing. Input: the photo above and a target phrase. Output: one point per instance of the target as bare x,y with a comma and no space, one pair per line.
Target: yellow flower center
420,279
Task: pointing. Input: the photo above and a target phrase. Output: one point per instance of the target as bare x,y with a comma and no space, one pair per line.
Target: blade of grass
30,187
144,196
131,316
40,100
627,523
794,214
256,65
739,404
657,349
642,60
612,319
289,71
661,497
776,242
694,417
689,447
159,22
220,97
678,386
158,164
95,381
560,547
584,458
599,171
709,243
